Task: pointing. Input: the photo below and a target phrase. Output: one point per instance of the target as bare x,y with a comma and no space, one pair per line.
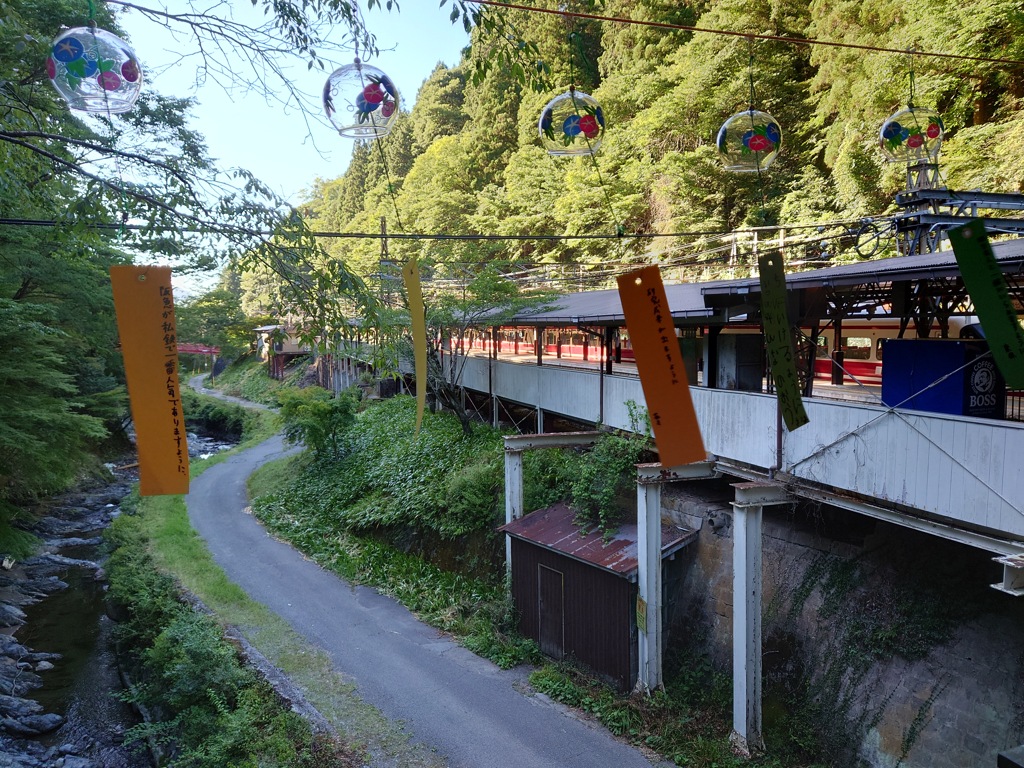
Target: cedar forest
80,194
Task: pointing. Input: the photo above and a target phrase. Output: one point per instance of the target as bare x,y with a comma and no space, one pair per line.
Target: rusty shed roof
553,528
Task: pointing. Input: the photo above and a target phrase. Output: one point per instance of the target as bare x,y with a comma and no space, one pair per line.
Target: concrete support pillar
648,509
540,420
747,576
649,480
513,496
746,628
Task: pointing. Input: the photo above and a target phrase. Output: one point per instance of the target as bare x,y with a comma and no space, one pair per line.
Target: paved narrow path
467,709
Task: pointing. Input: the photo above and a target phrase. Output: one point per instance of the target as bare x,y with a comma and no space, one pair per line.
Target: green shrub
475,498
213,416
548,476
685,733
14,542
146,599
388,475
249,378
317,419
208,710
605,475
194,665
259,733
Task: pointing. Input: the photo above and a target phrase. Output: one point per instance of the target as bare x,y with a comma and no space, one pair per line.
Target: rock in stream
58,708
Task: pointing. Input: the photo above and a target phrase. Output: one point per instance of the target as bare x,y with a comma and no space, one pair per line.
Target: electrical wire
214,229
729,33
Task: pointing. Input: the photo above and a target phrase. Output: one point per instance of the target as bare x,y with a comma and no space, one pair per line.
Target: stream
59,679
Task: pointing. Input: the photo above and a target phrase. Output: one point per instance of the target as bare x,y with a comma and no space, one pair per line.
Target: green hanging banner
991,296
778,340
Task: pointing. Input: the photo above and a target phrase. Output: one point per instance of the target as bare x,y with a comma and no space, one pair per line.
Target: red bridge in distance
187,347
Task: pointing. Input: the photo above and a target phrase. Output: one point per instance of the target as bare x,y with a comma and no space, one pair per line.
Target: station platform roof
713,301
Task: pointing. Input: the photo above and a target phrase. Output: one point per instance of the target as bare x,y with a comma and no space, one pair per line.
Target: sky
275,142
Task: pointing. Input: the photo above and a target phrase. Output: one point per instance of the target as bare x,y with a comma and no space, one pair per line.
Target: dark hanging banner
778,340
991,296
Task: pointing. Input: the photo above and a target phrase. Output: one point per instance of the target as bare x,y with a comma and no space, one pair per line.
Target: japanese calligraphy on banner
659,362
992,304
149,343
778,340
411,275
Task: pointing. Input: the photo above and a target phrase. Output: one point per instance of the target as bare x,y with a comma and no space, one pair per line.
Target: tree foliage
476,168
45,432
317,419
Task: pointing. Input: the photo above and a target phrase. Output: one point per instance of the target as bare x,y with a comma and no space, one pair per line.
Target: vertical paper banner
659,362
417,313
778,340
149,343
988,290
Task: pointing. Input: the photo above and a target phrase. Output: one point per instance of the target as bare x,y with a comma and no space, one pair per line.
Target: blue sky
275,143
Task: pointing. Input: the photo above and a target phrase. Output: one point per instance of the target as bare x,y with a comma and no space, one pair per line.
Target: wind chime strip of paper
149,343
988,290
659,361
417,312
778,340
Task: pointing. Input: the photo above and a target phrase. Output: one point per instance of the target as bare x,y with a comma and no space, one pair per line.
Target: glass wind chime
361,101
572,123
94,70
913,135
749,141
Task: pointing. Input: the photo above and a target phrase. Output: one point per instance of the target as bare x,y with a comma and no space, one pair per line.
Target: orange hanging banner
149,343
659,361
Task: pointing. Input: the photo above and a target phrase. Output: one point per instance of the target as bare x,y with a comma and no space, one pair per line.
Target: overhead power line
751,35
195,228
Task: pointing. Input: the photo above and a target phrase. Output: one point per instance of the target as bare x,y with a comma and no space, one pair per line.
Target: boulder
16,681
11,615
73,541
12,706
32,725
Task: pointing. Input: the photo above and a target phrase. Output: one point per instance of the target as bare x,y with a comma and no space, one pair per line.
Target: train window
822,347
878,349
856,347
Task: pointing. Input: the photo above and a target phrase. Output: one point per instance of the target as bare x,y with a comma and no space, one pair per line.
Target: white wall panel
968,470
946,465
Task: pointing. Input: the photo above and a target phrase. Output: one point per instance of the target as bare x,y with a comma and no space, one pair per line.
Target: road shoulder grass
179,550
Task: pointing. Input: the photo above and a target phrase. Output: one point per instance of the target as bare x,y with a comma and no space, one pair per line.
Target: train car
860,344
861,347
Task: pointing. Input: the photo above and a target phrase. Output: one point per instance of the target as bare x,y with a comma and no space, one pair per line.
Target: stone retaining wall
958,704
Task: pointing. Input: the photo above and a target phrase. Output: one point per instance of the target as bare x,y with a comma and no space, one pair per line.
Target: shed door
550,606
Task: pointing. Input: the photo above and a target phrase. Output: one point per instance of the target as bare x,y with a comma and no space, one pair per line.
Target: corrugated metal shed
553,529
